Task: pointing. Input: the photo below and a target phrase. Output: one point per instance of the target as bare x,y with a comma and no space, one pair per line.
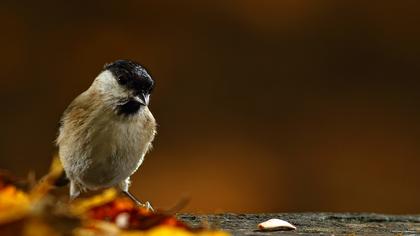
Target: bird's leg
74,191
124,188
137,202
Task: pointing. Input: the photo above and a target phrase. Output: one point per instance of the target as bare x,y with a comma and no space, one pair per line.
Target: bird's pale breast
111,151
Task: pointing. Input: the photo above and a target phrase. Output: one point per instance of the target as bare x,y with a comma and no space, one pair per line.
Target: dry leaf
37,213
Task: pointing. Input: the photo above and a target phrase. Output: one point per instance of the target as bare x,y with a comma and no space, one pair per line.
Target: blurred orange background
263,106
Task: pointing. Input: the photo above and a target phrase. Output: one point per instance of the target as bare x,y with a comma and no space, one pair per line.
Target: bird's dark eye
122,79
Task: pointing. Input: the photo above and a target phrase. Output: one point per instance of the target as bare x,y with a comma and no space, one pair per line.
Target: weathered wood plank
313,223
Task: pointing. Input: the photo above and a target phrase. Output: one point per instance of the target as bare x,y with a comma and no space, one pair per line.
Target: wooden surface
313,223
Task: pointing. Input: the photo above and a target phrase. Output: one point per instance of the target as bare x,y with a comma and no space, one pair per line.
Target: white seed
123,220
275,224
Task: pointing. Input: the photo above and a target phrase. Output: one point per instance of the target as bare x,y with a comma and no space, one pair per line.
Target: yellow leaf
47,182
81,206
14,204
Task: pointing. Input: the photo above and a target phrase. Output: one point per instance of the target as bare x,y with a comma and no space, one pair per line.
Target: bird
107,130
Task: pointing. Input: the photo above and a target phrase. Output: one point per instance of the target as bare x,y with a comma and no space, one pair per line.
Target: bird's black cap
131,75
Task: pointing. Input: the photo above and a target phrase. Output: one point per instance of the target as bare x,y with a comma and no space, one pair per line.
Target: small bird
107,130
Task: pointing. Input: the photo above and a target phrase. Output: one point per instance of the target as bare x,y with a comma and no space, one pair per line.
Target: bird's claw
148,206
145,205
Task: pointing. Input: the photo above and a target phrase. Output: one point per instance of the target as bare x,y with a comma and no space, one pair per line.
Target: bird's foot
148,206
145,205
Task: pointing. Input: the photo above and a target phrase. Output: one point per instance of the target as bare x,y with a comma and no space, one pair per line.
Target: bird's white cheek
107,87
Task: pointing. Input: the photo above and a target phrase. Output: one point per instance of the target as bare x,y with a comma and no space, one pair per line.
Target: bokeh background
263,106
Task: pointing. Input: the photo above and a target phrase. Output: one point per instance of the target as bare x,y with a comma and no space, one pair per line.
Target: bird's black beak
142,98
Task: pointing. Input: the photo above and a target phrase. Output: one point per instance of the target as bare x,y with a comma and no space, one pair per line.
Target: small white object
123,220
275,224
